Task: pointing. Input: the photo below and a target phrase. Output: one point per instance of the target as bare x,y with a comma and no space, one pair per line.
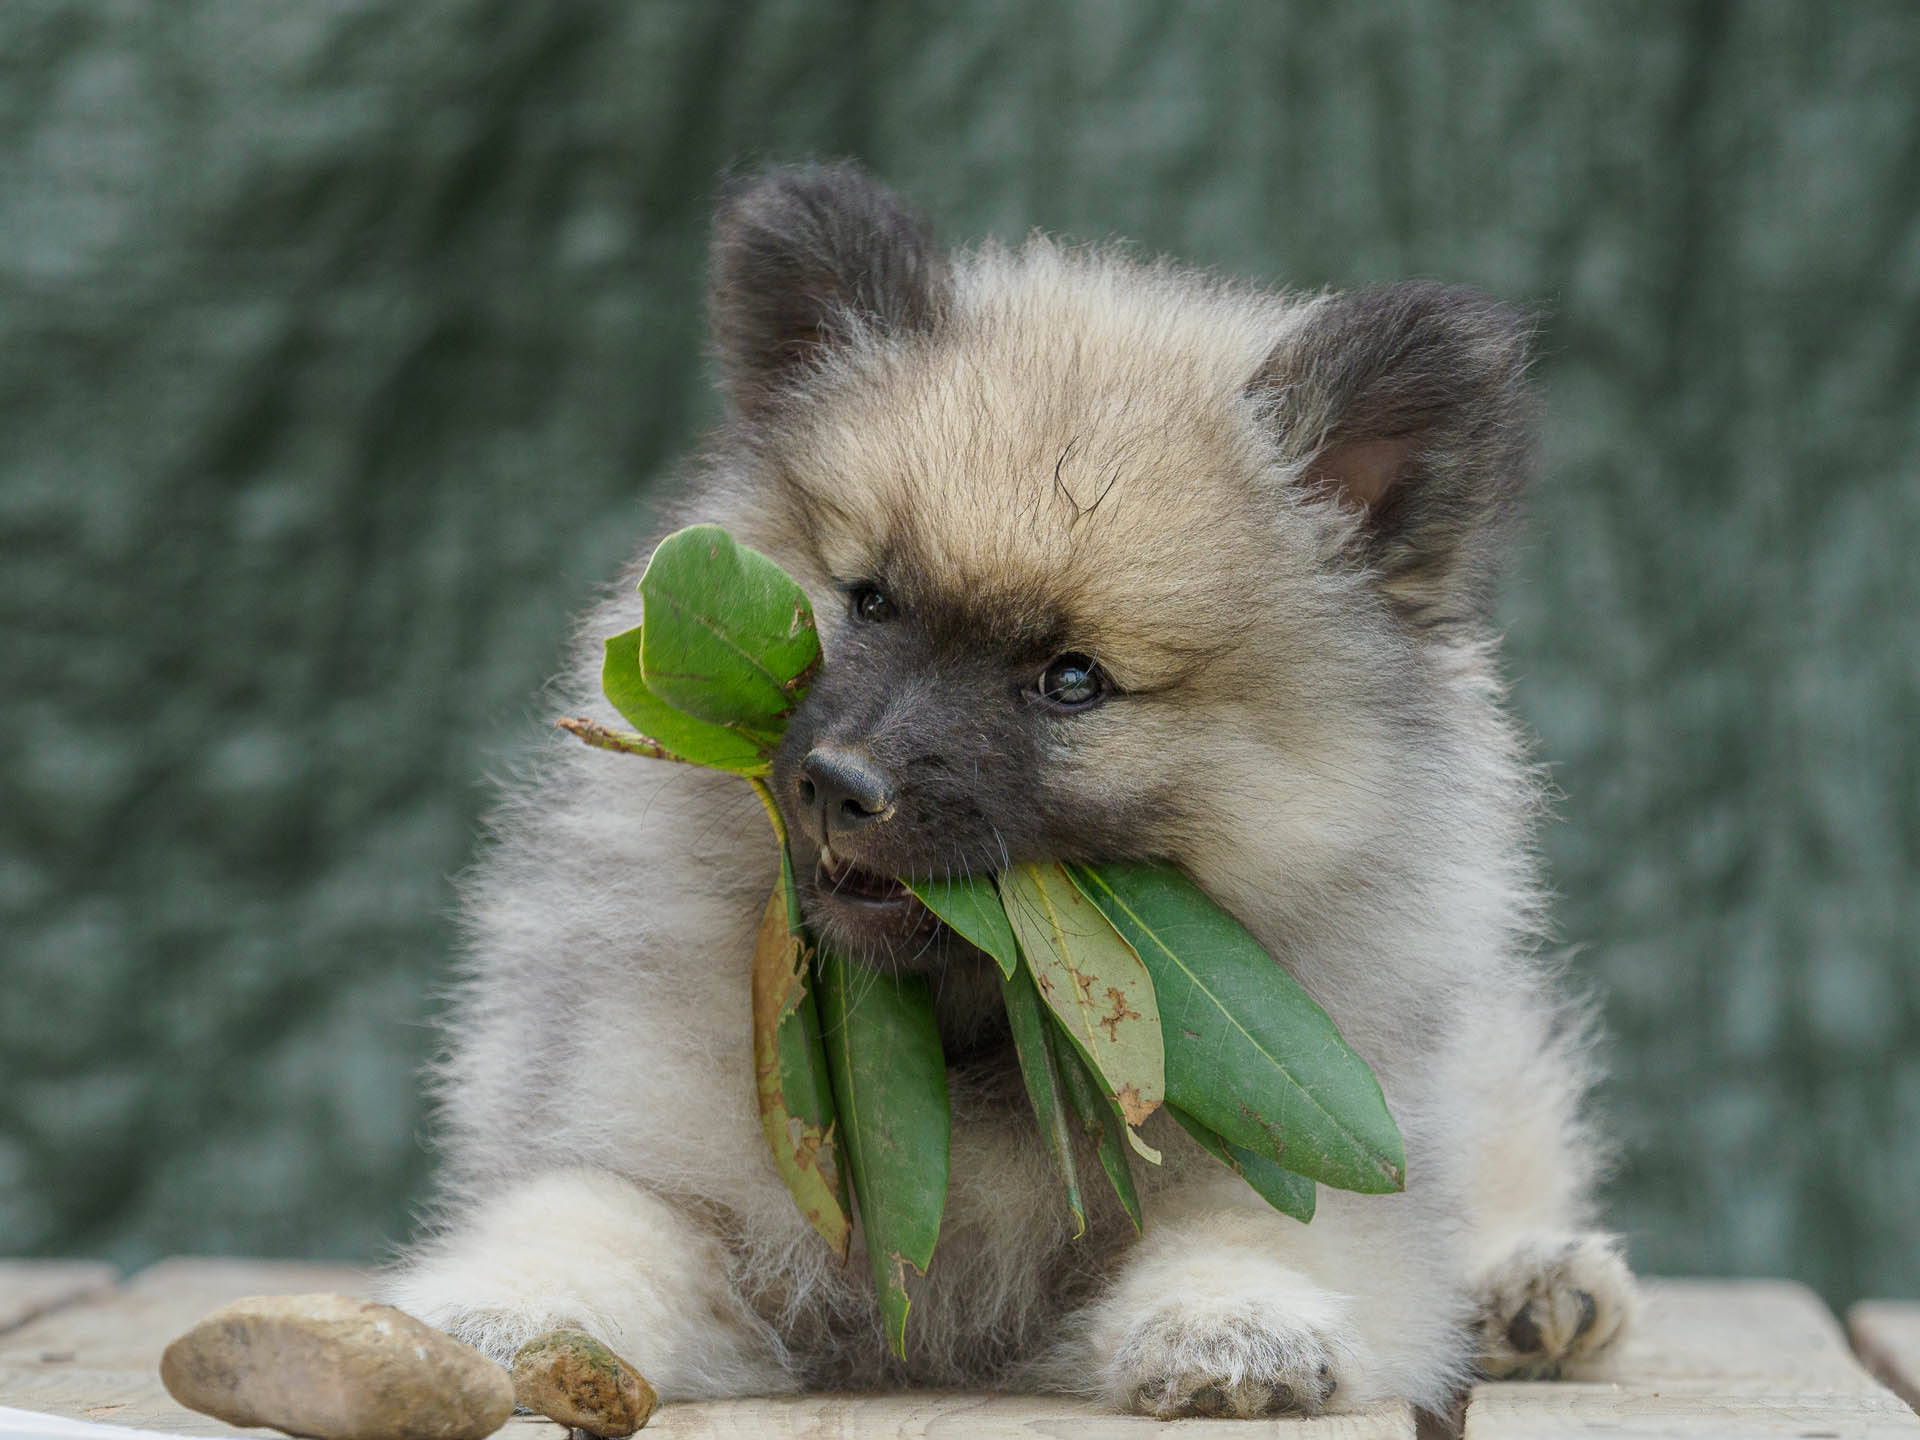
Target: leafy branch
1127,990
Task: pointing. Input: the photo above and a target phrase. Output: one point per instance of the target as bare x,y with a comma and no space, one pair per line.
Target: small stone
569,1376
336,1368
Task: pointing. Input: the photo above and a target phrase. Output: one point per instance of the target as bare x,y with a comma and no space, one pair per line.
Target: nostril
844,788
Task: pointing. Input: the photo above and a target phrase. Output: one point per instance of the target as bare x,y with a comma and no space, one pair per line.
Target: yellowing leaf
1249,1054
1095,985
790,1069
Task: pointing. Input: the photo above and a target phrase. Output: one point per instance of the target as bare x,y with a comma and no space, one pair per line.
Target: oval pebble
569,1376
335,1368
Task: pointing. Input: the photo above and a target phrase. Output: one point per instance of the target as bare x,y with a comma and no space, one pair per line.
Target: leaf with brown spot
797,1111
1095,985
1248,1052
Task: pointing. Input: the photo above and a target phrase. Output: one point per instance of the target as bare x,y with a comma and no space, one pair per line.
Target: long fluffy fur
1318,739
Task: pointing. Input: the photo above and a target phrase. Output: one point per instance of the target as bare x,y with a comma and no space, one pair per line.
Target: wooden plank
99,1358
38,1425
1707,1359
952,1415
1722,1359
1886,1337
34,1287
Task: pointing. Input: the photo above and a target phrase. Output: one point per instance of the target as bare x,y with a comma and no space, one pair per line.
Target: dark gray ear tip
815,196
1421,297
1387,359
794,178
1429,315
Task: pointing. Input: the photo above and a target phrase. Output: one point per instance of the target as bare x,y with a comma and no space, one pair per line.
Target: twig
625,742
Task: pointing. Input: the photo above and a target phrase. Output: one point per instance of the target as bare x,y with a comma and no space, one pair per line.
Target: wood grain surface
947,1415
1752,1359
33,1287
1886,1336
98,1358
1709,1358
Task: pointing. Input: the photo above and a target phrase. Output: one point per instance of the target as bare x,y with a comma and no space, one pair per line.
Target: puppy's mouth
843,880
868,915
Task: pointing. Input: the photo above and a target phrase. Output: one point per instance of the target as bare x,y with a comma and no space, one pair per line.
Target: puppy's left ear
1410,404
806,259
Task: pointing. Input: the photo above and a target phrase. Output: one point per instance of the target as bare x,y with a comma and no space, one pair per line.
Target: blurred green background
341,342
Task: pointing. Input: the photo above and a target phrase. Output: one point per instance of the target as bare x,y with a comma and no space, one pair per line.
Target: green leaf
972,907
1040,1067
1098,1117
1095,985
729,636
1249,1054
890,1086
790,1068
679,736
1287,1192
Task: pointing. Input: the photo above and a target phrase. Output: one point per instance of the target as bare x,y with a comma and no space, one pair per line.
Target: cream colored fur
1365,808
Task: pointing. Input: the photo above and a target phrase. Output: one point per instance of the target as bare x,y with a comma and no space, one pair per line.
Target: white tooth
826,856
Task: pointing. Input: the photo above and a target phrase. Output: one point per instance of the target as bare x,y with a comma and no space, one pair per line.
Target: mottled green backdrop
340,344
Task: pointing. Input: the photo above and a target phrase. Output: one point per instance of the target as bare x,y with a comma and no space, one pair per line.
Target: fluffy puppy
1111,561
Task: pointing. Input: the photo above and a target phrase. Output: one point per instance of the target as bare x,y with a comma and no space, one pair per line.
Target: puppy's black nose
843,789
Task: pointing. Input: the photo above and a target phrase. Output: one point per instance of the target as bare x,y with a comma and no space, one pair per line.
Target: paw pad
1207,1400
1241,1366
1552,1303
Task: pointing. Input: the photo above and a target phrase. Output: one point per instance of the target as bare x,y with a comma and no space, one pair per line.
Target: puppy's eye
870,603
1073,681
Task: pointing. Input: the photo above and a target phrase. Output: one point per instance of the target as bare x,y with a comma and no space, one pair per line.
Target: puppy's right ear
1410,404
806,258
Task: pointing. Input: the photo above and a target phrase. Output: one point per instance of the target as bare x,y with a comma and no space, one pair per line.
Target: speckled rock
336,1368
569,1376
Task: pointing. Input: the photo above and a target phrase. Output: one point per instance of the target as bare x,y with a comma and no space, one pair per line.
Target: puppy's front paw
1553,1303
1242,1356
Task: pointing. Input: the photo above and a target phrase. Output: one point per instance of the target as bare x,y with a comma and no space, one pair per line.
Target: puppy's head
1111,561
